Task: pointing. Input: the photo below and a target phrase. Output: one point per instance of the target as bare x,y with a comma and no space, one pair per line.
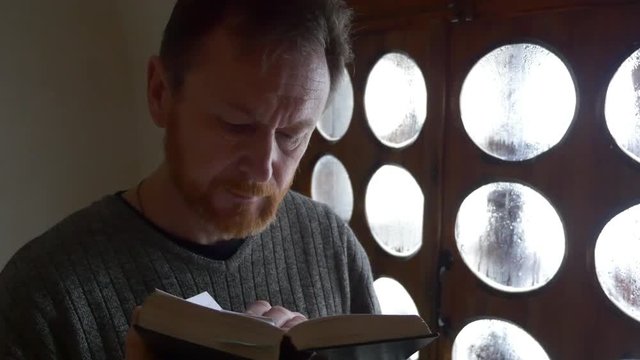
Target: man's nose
257,162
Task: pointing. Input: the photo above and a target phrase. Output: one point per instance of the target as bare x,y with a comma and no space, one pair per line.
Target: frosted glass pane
617,260
496,339
337,117
330,184
510,237
394,206
518,102
395,100
395,300
622,106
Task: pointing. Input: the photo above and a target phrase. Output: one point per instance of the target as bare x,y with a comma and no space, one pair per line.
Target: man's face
237,128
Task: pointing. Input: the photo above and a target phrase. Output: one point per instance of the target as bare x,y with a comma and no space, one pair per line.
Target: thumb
135,348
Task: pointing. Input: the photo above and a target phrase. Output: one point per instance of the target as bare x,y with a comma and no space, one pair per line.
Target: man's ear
159,94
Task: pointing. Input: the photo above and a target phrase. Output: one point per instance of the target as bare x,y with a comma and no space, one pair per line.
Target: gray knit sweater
69,293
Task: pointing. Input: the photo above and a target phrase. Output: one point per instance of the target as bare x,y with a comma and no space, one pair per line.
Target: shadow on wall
73,123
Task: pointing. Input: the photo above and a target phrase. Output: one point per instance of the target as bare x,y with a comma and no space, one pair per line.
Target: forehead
227,66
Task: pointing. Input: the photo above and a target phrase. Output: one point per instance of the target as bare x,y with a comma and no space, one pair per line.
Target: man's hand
281,317
135,348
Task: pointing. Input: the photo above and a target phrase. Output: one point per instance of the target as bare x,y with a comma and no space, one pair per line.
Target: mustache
251,188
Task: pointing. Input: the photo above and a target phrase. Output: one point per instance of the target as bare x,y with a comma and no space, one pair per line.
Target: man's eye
290,141
237,128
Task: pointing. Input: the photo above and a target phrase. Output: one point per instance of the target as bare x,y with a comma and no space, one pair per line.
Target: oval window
510,236
330,184
395,300
394,206
617,262
622,106
496,339
395,100
337,117
517,102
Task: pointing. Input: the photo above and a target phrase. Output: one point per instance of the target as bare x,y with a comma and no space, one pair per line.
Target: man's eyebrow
240,109
246,112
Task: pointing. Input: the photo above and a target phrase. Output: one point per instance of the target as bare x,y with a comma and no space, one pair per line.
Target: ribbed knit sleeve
363,296
28,320
13,340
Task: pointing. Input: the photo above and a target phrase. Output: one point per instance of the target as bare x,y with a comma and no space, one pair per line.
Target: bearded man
238,88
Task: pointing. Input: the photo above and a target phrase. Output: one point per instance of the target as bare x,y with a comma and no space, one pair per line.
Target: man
238,88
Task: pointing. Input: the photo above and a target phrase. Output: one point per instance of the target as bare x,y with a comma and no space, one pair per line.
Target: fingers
295,320
135,348
284,318
281,317
135,315
258,308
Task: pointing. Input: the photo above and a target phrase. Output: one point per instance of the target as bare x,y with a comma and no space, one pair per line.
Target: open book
177,329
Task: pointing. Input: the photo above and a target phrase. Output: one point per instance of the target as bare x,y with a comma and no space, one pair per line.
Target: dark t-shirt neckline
222,250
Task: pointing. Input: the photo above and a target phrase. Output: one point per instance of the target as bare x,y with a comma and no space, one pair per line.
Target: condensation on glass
617,261
395,100
330,184
496,339
622,106
394,206
337,117
510,237
395,299
518,101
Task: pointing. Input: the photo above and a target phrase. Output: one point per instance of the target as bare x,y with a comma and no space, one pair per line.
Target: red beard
234,222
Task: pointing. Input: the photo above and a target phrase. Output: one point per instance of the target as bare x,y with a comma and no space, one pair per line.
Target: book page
206,300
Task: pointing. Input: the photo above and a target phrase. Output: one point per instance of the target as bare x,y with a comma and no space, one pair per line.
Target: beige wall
73,121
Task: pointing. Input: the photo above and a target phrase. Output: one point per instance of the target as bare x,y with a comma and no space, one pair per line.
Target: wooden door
585,177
